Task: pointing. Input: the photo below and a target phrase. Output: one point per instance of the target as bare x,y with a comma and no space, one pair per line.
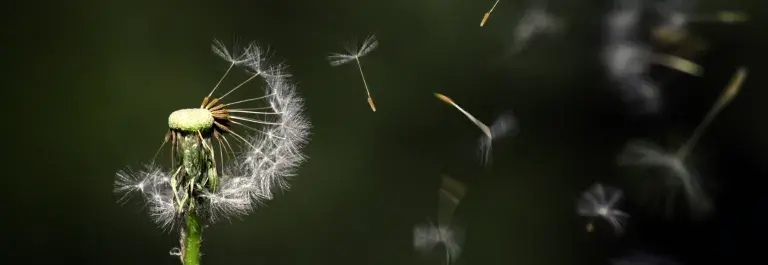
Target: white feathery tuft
153,183
602,202
353,52
426,237
676,177
274,153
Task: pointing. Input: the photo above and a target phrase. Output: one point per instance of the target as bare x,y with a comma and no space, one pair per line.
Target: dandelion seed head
270,143
191,120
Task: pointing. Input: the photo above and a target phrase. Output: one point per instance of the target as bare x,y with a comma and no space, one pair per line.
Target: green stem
194,232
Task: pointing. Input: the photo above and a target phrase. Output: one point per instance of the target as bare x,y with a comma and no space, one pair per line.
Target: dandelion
646,154
201,187
504,126
446,234
601,202
354,53
536,21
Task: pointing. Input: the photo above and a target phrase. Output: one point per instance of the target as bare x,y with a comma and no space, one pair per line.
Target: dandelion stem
368,92
194,233
221,79
730,92
196,174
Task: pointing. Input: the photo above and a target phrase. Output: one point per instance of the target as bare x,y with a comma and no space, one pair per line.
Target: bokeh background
89,84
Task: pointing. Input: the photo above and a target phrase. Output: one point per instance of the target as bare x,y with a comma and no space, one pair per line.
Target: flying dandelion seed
449,196
678,63
676,15
622,24
601,202
536,21
678,176
446,235
626,60
354,54
488,14
504,126
728,17
201,187
631,60
427,237
628,63
674,19
623,21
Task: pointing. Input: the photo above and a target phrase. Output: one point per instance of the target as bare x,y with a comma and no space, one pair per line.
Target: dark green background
89,85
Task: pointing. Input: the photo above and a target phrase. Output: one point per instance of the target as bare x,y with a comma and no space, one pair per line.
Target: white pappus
601,202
